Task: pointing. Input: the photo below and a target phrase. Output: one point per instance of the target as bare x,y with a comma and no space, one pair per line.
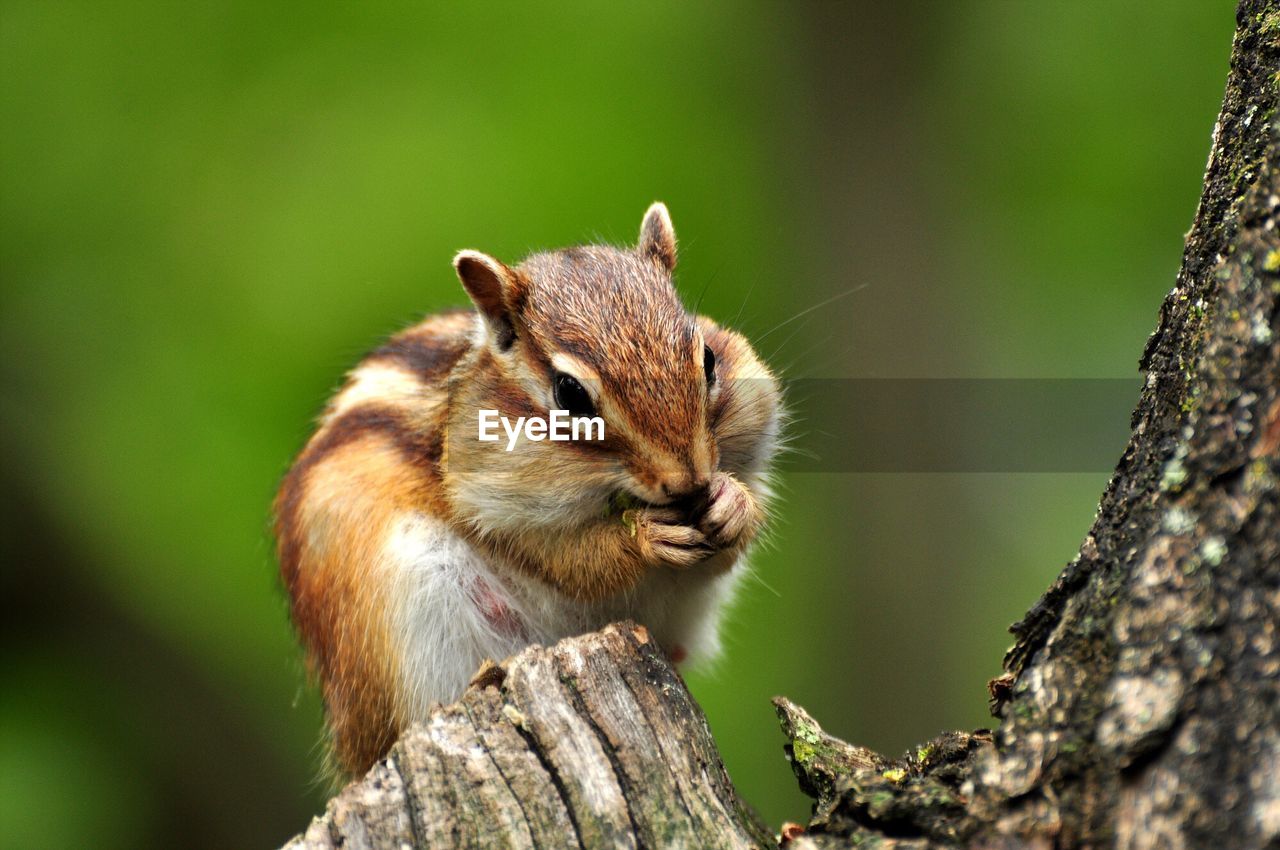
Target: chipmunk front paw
731,516
666,539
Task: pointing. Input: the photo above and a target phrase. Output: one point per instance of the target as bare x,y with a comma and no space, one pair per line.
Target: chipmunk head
600,332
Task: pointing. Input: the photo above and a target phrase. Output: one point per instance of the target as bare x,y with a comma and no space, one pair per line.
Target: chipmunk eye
572,396
709,364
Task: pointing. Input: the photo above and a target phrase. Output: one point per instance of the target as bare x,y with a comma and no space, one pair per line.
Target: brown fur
379,458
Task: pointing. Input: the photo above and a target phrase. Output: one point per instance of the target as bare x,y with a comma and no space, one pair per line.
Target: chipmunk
412,550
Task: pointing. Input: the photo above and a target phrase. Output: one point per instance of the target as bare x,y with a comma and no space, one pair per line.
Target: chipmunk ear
657,236
493,288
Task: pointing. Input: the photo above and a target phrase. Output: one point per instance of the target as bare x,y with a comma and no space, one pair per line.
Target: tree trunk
1141,701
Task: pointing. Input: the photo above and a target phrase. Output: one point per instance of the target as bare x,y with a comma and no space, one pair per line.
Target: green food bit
629,520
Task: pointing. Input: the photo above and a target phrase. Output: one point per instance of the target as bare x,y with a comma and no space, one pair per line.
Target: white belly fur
442,635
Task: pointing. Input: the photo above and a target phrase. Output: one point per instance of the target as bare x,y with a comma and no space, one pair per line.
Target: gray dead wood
594,742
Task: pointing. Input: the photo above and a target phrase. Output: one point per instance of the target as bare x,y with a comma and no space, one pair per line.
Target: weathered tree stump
1140,705
594,742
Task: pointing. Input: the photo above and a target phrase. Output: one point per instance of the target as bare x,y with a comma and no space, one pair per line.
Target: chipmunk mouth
691,505
683,488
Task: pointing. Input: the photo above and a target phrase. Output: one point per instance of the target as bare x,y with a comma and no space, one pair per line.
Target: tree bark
1140,704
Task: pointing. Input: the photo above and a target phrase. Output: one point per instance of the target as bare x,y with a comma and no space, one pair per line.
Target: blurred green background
210,210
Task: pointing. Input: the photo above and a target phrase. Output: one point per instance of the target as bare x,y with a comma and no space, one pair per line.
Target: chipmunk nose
685,486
